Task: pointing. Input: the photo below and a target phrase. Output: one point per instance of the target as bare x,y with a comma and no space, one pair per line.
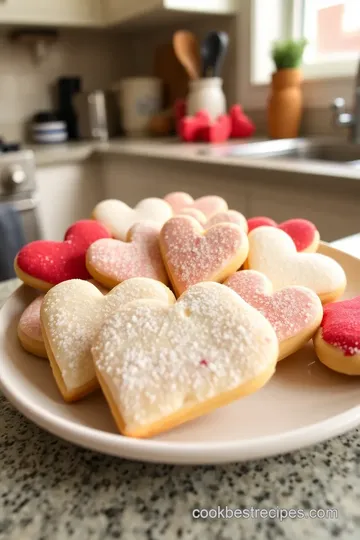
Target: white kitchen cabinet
51,12
131,179
121,11
67,193
335,214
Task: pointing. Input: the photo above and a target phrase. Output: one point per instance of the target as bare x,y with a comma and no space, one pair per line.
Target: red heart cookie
193,254
43,264
304,233
337,342
112,261
294,312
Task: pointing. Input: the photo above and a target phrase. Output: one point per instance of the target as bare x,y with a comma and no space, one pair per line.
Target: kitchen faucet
351,120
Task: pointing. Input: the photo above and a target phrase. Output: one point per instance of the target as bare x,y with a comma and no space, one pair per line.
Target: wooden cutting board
168,68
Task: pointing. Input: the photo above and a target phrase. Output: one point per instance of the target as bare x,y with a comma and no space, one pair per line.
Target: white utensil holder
206,95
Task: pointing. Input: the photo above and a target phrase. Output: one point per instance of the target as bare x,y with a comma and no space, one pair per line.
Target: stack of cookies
179,306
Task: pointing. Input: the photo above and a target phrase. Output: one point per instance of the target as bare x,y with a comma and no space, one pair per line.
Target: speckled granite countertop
52,490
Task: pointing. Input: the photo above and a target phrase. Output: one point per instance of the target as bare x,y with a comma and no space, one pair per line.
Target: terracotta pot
285,104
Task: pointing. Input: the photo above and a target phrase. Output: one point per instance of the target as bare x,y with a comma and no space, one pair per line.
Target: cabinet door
131,179
67,193
51,12
335,214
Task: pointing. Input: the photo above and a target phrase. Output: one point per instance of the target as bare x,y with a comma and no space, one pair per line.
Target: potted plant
285,103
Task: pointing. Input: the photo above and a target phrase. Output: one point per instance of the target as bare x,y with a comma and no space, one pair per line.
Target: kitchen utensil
67,87
97,115
187,50
213,51
173,75
206,95
319,403
139,99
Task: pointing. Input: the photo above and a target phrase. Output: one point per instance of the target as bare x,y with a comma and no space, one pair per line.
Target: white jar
206,95
139,99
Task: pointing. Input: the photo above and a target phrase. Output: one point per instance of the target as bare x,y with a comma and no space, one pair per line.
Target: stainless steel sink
299,149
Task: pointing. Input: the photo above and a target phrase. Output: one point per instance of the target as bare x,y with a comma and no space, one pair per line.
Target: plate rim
173,452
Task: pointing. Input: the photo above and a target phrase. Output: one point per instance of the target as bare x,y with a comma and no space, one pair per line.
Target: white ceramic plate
304,403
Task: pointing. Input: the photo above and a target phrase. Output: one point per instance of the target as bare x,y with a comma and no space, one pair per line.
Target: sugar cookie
208,205
337,342
193,254
71,315
272,252
230,216
43,264
119,217
29,329
294,312
29,326
196,214
112,261
305,235
161,366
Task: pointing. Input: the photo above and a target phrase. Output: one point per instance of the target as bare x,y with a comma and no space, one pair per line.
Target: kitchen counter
52,490
172,149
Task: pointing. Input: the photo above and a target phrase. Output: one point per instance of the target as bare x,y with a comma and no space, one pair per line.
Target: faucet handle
338,105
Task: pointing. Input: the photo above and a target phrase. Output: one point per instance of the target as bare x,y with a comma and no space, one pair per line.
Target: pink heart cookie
196,214
337,342
208,205
294,312
230,216
114,261
29,329
304,234
193,254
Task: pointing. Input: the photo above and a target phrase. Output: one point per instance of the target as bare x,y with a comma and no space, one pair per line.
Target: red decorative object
219,131
241,125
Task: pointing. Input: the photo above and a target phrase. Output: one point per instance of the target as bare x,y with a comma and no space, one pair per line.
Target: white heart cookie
160,366
273,252
72,314
118,217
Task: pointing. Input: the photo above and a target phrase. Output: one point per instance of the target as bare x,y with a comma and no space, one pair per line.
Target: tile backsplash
100,57
27,87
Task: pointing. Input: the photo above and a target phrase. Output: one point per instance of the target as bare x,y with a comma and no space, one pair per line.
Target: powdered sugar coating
29,322
72,314
290,310
119,217
139,257
302,231
341,326
155,360
230,216
192,254
54,262
209,205
272,252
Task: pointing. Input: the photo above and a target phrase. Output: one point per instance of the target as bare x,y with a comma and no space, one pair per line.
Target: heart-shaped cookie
294,312
42,264
337,342
119,217
160,366
29,327
193,254
305,235
196,214
71,315
230,216
272,252
112,261
208,205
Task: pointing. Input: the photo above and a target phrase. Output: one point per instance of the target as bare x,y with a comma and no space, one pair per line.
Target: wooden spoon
187,50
